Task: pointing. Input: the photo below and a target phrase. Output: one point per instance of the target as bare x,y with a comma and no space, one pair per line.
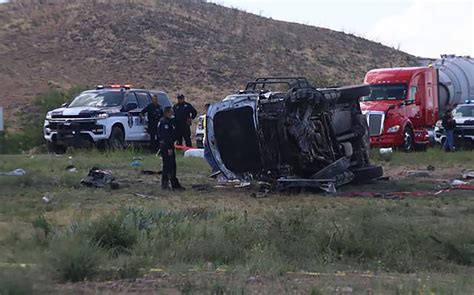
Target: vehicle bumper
386,140
75,133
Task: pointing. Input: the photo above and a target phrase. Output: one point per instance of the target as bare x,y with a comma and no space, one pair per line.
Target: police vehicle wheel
117,139
56,149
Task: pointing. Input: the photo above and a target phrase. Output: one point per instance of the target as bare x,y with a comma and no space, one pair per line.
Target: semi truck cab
402,107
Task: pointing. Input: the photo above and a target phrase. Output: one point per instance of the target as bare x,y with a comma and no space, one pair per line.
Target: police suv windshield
98,99
386,92
464,111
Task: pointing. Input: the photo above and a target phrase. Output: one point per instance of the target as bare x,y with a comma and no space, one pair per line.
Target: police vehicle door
133,128
144,99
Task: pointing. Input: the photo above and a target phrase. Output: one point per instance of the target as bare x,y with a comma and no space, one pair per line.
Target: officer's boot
165,183
176,185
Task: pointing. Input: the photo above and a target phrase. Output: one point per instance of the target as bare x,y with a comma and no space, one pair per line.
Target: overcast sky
420,27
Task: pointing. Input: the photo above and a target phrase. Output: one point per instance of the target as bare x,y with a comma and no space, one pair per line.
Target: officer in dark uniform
154,114
167,135
184,114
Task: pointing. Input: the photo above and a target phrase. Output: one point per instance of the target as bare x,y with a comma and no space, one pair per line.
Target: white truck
107,116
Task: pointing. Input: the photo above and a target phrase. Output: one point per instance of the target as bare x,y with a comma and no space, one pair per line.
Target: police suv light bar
114,86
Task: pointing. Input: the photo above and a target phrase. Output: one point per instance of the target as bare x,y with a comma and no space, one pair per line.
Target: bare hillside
202,49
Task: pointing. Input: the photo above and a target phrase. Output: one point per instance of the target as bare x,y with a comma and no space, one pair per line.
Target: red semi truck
405,103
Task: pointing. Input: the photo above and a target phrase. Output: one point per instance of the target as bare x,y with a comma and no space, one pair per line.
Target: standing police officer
154,114
184,114
167,135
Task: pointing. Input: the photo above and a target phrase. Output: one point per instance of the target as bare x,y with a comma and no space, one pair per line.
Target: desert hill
202,49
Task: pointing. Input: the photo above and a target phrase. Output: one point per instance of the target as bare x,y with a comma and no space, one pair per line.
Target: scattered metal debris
16,172
47,197
136,163
467,175
72,169
99,178
143,196
194,153
419,173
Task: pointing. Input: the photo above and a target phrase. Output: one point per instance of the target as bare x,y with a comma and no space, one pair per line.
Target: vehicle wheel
56,149
368,173
199,142
408,140
421,147
117,139
351,92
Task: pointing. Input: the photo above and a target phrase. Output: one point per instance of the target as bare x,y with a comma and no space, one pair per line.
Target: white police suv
105,117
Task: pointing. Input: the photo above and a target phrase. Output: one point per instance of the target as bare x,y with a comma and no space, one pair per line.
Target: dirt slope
202,49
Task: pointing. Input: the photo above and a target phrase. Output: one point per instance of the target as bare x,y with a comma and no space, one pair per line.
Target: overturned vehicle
288,133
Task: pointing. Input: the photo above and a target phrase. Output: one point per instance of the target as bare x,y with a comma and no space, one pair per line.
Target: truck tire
408,140
117,139
352,92
368,173
56,149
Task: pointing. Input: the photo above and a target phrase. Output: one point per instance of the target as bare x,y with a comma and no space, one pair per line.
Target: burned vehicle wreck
288,133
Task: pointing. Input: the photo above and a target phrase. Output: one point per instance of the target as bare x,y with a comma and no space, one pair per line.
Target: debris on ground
386,195
243,184
136,164
431,168
467,175
201,187
215,174
16,172
72,169
418,173
47,197
457,182
194,153
143,196
456,187
99,178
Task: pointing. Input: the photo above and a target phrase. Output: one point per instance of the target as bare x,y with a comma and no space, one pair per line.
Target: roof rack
114,86
299,82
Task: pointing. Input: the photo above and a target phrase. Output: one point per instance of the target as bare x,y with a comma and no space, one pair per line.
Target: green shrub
31,122
41,223
15,282
131,267
74,259
111,233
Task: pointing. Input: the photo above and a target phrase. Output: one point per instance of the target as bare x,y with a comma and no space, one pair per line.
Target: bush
31,122
15,282
74,259
111,233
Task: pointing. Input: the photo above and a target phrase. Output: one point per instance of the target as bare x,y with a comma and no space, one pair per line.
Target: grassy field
138,239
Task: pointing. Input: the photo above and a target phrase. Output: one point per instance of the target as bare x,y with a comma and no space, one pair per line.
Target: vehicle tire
421,147
368,173
56,149
351,92
117,139
199,142
408,140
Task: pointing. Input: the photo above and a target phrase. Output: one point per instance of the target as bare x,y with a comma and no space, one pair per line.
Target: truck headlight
393,129
103,116
48,116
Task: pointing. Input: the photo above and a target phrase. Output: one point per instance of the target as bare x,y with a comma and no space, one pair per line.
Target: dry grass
376,239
